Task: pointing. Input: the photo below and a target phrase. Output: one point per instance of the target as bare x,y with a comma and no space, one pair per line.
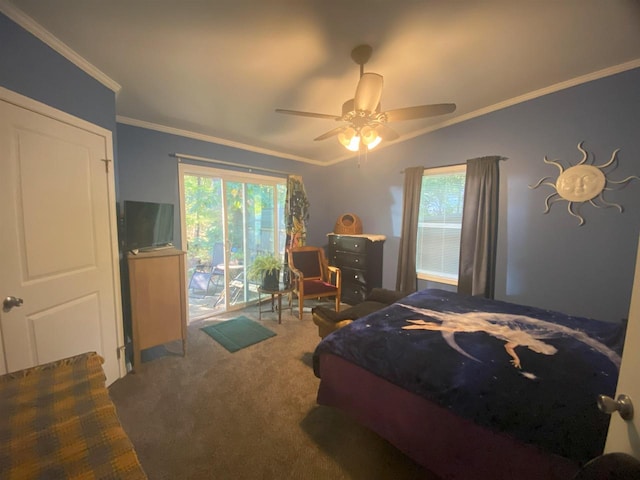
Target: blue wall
149,172
33,69
543,260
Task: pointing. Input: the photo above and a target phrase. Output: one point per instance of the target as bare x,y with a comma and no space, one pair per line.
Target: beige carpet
247,415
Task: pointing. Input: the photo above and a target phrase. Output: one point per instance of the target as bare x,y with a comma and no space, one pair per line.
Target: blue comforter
532,373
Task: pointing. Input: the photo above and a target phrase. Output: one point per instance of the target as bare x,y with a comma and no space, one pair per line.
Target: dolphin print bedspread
532,373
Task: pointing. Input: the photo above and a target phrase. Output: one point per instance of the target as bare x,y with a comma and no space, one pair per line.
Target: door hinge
106,164
120,351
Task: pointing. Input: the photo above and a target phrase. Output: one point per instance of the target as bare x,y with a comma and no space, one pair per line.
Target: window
439,224
228,219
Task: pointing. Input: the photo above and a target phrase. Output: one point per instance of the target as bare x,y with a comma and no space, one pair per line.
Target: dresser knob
356,245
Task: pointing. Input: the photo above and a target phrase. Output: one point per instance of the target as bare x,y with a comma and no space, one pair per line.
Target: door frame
185,168
35,106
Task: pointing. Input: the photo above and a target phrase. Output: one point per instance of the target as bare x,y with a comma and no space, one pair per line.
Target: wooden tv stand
158,299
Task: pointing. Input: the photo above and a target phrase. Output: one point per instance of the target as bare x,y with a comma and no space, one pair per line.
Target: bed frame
442,442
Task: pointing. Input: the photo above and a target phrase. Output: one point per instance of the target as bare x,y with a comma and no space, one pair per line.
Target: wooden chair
312,276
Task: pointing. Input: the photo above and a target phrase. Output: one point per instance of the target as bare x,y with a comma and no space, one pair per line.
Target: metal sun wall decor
582,182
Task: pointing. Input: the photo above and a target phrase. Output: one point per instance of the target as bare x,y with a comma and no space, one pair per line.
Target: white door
58,245
624,436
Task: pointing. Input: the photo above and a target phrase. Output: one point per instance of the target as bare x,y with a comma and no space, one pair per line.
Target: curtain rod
456,164
230,164
441,166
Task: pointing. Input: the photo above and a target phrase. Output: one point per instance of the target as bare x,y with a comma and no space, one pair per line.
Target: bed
58,422
476,388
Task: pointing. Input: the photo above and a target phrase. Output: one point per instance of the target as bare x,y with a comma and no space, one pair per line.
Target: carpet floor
251,414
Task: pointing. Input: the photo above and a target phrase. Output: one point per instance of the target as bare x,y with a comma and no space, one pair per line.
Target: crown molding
211,139
33,27
605,72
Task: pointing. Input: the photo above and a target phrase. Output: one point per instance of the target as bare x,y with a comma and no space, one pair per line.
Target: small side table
282,290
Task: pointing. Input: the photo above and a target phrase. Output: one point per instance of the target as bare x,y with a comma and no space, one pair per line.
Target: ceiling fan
366,123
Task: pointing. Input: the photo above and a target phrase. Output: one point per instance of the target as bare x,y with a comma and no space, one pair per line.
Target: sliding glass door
227,219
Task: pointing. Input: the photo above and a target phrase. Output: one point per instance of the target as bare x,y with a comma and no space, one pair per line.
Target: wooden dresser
158,299
359,258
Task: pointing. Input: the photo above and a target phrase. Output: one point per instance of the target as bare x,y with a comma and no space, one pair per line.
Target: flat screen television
147,225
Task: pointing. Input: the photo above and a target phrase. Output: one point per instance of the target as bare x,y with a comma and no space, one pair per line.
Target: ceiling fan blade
330,133
386,133
420,111
308,114
368,92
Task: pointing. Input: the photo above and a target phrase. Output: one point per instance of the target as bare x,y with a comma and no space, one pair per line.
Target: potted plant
266,270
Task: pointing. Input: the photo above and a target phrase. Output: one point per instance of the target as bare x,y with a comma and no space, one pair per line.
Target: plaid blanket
58,422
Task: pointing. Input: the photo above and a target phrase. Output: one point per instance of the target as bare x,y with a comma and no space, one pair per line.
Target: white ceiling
219,69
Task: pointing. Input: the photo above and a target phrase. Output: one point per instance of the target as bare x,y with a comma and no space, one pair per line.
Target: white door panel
624,436
69,243
57,247
78,318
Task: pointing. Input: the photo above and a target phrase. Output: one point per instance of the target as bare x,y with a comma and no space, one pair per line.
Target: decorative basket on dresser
359,258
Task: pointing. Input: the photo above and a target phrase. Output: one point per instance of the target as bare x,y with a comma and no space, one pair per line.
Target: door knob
622,404
9,302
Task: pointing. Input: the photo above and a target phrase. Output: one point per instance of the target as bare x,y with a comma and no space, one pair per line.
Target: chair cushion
318,287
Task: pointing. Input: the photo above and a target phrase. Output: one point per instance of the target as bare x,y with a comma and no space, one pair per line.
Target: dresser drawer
349,260
351,276
348,244
353,294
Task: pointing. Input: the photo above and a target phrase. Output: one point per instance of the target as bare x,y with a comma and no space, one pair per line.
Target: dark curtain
296,213
407,278
479,228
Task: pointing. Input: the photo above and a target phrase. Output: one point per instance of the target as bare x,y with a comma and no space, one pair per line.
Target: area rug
238,333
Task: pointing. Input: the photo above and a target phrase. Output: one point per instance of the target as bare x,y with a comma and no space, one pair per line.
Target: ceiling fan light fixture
354,144
349,138
374,143
369,136
366,122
